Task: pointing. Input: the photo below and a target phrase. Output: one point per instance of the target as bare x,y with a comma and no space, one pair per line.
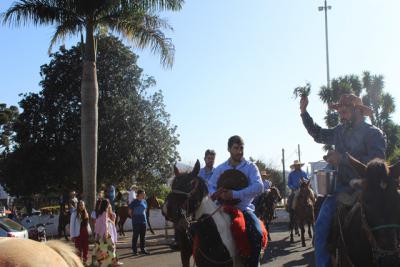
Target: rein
377,252
189,223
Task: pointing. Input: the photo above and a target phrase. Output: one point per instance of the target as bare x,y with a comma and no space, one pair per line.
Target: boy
137,210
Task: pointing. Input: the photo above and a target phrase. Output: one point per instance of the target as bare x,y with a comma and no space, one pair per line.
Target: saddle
236,180
347,206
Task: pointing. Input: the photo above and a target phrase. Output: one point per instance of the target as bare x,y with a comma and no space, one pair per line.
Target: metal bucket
326,182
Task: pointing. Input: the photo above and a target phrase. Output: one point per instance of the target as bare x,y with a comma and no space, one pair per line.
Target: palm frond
161,5
62,31
38,12
143,30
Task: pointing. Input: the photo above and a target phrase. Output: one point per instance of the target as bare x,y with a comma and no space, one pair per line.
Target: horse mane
66,252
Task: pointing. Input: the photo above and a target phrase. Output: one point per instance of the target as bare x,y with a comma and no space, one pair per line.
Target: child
137,210
80,230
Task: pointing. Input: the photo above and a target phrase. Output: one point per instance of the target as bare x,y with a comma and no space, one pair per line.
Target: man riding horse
246,195
294,180
354,136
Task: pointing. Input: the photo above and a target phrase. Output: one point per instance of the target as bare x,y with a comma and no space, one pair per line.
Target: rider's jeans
254,233
322,228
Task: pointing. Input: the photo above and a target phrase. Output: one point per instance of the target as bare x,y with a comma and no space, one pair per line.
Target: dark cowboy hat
233,180
350,100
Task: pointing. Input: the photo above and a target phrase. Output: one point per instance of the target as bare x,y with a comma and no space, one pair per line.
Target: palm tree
136,20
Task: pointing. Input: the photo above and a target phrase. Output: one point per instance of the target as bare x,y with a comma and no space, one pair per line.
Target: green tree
136,138
274,175
8,117
371,89
135,20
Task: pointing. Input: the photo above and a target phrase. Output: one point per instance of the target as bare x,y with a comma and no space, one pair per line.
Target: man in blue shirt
294,179
207,171
354,136
246,195
137,210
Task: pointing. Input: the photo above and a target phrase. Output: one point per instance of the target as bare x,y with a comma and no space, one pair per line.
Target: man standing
294,179
207,171
354,136
246,195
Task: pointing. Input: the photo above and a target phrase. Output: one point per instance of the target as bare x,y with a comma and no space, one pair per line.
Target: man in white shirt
132,194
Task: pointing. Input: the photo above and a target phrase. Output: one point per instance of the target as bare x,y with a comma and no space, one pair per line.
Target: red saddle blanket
238,228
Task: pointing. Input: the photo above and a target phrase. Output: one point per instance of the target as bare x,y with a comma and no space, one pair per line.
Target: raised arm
320,135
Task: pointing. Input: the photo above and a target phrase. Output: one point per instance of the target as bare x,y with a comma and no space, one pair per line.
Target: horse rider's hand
333,157
216,194
303,104
226,195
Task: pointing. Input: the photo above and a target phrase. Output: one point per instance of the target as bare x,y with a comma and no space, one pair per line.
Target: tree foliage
274,175
136,138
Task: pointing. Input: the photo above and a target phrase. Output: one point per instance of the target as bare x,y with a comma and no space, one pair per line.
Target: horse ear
176,171
196,168
360,168
394,170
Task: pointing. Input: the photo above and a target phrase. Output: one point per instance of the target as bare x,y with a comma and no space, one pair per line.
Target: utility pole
325,8
298,151
284,176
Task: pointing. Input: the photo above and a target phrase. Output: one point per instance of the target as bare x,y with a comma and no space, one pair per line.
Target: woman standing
80,230
105,248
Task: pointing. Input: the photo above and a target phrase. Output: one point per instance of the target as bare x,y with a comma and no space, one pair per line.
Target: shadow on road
282,248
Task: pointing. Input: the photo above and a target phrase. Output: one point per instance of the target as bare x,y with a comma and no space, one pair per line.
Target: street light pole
325,8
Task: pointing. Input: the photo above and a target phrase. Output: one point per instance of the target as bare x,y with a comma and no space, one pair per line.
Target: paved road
279,252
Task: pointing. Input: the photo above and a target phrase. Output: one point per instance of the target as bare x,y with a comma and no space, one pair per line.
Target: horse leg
185,249
303,240
309,230
267,227
291,227
148,220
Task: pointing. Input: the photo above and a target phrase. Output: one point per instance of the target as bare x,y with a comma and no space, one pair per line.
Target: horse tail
66,252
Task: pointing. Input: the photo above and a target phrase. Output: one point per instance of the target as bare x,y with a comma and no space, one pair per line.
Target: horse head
186,195
306,194
380,208
276,195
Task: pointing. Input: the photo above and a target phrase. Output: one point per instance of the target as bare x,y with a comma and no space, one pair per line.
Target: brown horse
369,232
265,206
123,214
26,252
303,212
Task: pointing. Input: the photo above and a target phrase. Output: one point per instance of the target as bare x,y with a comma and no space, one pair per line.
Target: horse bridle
377,252
190,222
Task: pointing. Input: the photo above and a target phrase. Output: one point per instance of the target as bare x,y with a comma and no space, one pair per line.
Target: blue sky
236,65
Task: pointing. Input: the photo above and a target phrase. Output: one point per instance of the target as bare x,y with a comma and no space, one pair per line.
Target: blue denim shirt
363,141
205,174
294,179
267,184
247,194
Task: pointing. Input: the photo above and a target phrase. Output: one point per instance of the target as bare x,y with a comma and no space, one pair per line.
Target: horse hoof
303,245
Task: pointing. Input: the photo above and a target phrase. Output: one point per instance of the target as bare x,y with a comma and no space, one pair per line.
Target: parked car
10,228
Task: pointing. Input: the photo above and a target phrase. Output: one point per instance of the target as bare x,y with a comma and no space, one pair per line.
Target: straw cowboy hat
296,163
350,100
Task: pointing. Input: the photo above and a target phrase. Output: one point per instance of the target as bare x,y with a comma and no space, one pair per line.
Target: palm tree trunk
89,120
